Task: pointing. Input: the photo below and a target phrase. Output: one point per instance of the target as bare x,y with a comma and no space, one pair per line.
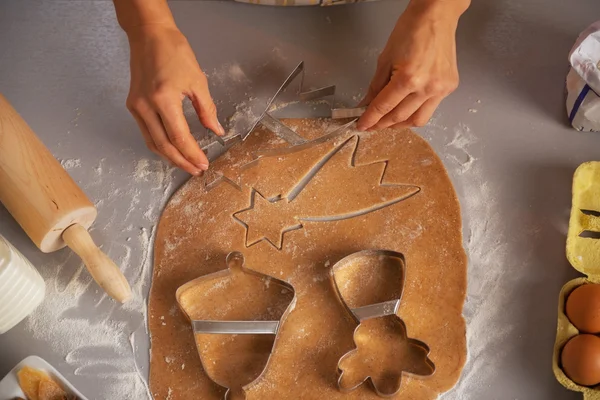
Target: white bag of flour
583,81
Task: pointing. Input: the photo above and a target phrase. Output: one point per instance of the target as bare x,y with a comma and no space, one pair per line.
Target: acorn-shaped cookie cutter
369,284
235,263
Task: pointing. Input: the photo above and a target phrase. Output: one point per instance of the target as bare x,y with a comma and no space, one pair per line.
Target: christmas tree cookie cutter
370,284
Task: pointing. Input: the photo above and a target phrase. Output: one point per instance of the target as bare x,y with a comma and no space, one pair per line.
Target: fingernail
360,128
221,130
196,173
203,167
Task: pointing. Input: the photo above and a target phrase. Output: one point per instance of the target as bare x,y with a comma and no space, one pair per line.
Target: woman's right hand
164,70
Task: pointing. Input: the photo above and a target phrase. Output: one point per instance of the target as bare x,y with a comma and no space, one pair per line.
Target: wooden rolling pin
47,203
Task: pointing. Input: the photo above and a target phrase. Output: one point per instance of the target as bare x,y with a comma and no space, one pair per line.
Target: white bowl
9,386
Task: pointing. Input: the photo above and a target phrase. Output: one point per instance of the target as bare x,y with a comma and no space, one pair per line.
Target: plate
9,386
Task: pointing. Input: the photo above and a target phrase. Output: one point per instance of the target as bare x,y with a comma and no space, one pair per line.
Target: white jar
22,288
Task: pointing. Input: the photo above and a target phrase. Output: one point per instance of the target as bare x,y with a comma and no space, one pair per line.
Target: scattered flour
97,337
154,171
462,138
229,72
70,163
99,169
487,251
236,73
458,151
241,117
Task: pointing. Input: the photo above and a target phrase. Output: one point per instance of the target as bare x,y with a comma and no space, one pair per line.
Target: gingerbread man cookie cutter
370,283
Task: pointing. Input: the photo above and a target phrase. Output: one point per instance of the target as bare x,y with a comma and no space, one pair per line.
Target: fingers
381,78
155,135
414,107
206,109
402,112
401,125
389,97
405,93
171,114
164,146
144,129
423,114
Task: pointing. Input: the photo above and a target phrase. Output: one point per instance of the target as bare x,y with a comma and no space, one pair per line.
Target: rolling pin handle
103,269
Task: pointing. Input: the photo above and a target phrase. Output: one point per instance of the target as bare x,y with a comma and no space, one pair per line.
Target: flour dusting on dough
308,270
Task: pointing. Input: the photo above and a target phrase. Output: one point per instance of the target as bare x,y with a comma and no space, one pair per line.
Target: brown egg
583,308
580,359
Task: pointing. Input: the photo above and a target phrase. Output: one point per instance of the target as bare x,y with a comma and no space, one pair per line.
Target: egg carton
583,253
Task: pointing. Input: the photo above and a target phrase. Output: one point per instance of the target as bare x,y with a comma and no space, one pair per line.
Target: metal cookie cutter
246,126
253,309
370,284
218,145
282,130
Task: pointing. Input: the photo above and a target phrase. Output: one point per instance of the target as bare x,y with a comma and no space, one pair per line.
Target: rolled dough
293,215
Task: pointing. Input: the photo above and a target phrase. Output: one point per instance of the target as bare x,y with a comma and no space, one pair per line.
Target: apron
301,2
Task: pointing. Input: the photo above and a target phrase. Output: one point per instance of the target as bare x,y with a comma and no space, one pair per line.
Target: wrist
440,9
150,30
139,16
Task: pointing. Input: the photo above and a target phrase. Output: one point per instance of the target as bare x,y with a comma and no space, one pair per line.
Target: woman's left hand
417,68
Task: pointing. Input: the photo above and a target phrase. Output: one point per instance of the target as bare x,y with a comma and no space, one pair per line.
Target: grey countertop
503,136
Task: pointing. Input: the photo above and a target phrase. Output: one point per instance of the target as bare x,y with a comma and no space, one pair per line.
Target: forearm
449,10
133,14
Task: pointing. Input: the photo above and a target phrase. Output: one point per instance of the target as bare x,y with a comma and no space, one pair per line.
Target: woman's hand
417,67
164,70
